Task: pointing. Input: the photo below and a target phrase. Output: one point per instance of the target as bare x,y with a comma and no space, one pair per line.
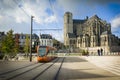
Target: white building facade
46,40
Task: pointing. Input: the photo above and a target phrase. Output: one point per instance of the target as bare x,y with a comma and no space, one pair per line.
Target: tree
27,46
16,46
8,44
4,48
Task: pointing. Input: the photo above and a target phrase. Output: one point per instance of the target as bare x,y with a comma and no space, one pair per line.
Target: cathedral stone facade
90,33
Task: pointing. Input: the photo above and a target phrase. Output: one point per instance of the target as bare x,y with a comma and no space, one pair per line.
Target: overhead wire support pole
31,38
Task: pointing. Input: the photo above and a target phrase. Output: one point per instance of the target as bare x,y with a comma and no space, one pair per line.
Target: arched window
105,39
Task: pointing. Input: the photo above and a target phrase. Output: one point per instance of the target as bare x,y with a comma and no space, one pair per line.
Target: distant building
46,40
20,38
89,34
2,35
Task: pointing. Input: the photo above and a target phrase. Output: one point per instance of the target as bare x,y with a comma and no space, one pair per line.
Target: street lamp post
31,39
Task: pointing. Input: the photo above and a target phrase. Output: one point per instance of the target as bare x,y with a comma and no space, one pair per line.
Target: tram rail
38,68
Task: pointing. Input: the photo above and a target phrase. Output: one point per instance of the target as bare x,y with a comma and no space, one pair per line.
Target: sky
48,14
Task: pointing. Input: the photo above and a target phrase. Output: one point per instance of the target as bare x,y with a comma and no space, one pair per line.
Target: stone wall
115,48
93,50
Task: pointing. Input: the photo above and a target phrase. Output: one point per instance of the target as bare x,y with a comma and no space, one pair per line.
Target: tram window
42,51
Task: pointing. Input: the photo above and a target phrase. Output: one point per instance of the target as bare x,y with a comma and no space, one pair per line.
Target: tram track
36,69
34,78
57,74
10,78
10,71
48,68
10,75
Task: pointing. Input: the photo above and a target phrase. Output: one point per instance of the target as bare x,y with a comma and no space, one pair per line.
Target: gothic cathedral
91,34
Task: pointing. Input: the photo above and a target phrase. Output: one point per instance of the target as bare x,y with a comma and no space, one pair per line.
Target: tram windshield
42,51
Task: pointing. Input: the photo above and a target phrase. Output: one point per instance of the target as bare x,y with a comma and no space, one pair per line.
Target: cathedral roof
71,35
78,21
95,17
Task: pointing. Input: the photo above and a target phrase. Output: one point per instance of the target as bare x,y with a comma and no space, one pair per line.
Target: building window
73,41
68,19
78,41
70,42
93,39
105,39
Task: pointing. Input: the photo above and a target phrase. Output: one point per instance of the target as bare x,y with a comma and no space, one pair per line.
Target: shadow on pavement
73,59
70,73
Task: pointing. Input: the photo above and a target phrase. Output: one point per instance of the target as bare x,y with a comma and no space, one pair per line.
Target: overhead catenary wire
51,7
53,13
20,6
30,28
52,10
9,16
46,29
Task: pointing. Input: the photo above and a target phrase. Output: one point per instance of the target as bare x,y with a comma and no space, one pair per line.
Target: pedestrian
98,52
101,51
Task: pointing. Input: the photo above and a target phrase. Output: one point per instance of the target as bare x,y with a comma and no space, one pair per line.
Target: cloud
69,5
19,16
0,17
115,23
58,36
15,14
79,8
50,19
21,11
7,4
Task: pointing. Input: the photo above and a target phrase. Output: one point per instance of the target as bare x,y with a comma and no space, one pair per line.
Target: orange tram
45,53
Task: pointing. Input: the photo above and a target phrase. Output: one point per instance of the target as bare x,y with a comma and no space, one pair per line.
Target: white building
46,40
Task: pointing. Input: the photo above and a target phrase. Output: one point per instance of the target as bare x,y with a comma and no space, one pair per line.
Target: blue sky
48,14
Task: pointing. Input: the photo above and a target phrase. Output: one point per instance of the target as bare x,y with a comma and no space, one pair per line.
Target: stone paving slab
77,68
109,63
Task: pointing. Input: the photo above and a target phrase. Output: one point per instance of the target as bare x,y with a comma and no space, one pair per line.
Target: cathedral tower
68,26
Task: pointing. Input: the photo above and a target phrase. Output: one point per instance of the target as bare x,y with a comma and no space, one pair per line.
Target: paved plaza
63,68
109,63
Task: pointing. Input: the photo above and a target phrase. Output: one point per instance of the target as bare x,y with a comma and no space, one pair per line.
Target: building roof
2,33
95,16
45,36
34,36
78,21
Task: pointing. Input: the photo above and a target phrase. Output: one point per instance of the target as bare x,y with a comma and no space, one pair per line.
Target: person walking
101,50
98,52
